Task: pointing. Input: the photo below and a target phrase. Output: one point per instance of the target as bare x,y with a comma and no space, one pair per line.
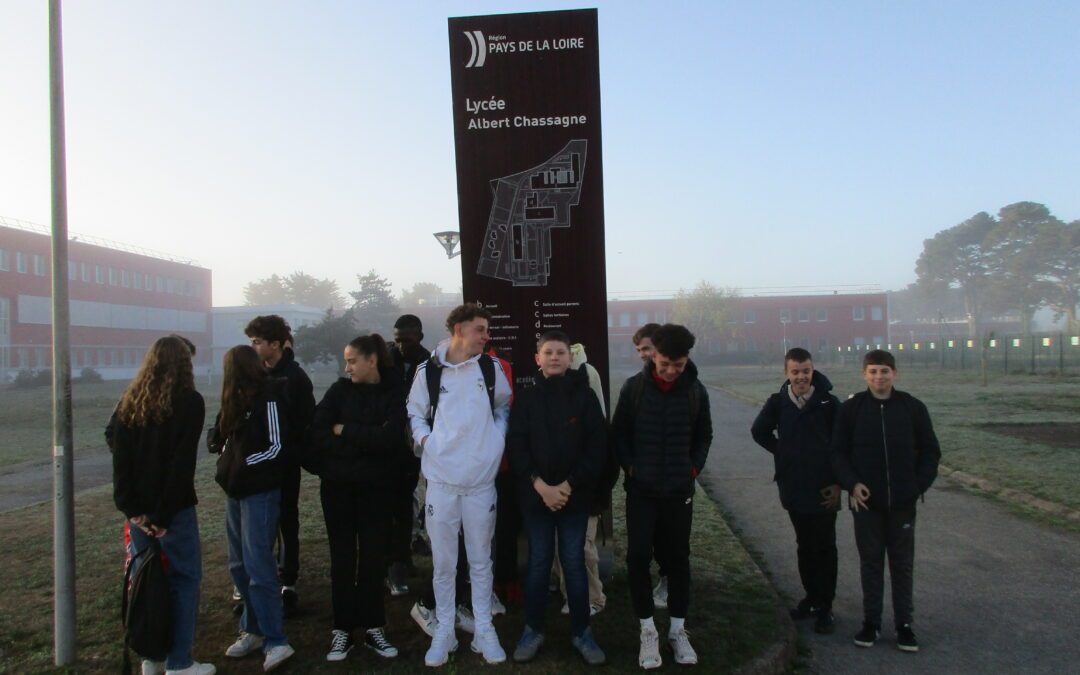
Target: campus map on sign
526,207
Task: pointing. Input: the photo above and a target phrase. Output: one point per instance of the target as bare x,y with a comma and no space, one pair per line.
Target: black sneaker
289,600
905,639
825,622
376,641
340,645
801,611
868,635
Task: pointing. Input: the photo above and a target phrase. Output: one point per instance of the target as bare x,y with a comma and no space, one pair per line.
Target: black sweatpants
672,516
357,525
508,521
878,533
401,513
289,525
815,537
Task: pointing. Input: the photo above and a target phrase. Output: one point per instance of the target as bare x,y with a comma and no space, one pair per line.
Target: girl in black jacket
359,434
248,434
154,436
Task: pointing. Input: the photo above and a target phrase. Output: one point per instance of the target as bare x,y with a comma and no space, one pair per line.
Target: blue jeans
181,547
251,524
542,529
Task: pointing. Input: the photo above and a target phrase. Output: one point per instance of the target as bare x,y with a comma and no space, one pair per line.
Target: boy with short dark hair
662,430
885,454
272,339
796,425
557,446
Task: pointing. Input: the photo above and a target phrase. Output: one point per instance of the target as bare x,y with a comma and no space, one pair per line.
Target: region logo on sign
479,49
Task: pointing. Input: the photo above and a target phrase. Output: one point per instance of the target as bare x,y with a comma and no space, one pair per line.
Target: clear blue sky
788,143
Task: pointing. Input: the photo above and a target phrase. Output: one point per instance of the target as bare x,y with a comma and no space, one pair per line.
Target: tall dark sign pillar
526,97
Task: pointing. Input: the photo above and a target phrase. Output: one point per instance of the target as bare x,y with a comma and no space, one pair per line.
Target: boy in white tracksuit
461,451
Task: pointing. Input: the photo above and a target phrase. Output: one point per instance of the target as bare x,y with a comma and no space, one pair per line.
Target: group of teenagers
455,417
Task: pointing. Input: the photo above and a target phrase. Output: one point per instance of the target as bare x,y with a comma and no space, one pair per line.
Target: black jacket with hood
888,445
663,439
557,433
372,441
799,440
301,405
154,465
250,458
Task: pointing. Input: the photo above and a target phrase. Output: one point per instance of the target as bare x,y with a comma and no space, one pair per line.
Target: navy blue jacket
800,443
888,445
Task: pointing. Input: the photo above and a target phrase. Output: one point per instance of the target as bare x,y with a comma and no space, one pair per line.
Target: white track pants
447,514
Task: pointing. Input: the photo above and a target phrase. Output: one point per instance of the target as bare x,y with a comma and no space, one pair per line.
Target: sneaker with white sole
340,645
153,667
659,594
195,668
680,644
486,643
649,653
528,645
465,619
442,646
425,618
375,640
275,656
497,606
589,650
244,645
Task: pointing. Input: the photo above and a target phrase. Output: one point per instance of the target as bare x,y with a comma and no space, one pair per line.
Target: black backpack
146,606
433,372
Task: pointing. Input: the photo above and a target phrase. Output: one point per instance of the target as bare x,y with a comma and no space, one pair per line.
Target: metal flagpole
63,483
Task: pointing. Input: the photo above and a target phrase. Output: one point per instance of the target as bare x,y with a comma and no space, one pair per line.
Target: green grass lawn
732,616
965,415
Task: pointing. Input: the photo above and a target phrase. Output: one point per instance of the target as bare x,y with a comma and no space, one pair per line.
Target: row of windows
858,313
101,274
642,318
35,358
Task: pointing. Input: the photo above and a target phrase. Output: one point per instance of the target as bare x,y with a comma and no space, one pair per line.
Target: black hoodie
799,440
250,457
373,415
301,405
660,441
557,433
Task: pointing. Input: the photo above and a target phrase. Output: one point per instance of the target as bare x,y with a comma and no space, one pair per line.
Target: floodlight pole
63,479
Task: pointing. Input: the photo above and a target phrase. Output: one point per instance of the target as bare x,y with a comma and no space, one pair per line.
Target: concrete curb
780,655
1010,495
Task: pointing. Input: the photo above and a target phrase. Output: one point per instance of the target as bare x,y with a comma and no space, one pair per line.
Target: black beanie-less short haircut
673,341
798,355
879,357
645,331
271,328
409,322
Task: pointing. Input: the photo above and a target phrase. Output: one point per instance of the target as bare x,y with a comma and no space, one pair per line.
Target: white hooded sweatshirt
463,451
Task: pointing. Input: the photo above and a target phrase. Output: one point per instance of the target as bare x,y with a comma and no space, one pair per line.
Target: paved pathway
994,592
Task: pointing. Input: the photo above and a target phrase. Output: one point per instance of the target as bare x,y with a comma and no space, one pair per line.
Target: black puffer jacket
154,466
250,458
888,445
369,449
557,433
799,441
663,439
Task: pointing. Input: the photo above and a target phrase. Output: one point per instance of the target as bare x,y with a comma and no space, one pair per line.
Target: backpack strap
433,373
487,367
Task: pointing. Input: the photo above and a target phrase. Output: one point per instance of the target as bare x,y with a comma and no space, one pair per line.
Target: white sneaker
153,667
275,656
244,645
680,644
425,618
487,644
465,620
497,607
442,646
195,668
659,594
649,654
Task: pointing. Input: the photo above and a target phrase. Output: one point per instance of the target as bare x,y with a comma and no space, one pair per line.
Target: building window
20,262
624,319
875,313
822,345
750,347
661,317
858,341
39,265
88,357
147,283
84,272
40,358
24,358
822,314
170,285
159,284
858,314
804,315
5,261
5,320
103,357
642,318
785,316
112,276
99,274
125,279
877,341
805,343
73,270
750,316
136,278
